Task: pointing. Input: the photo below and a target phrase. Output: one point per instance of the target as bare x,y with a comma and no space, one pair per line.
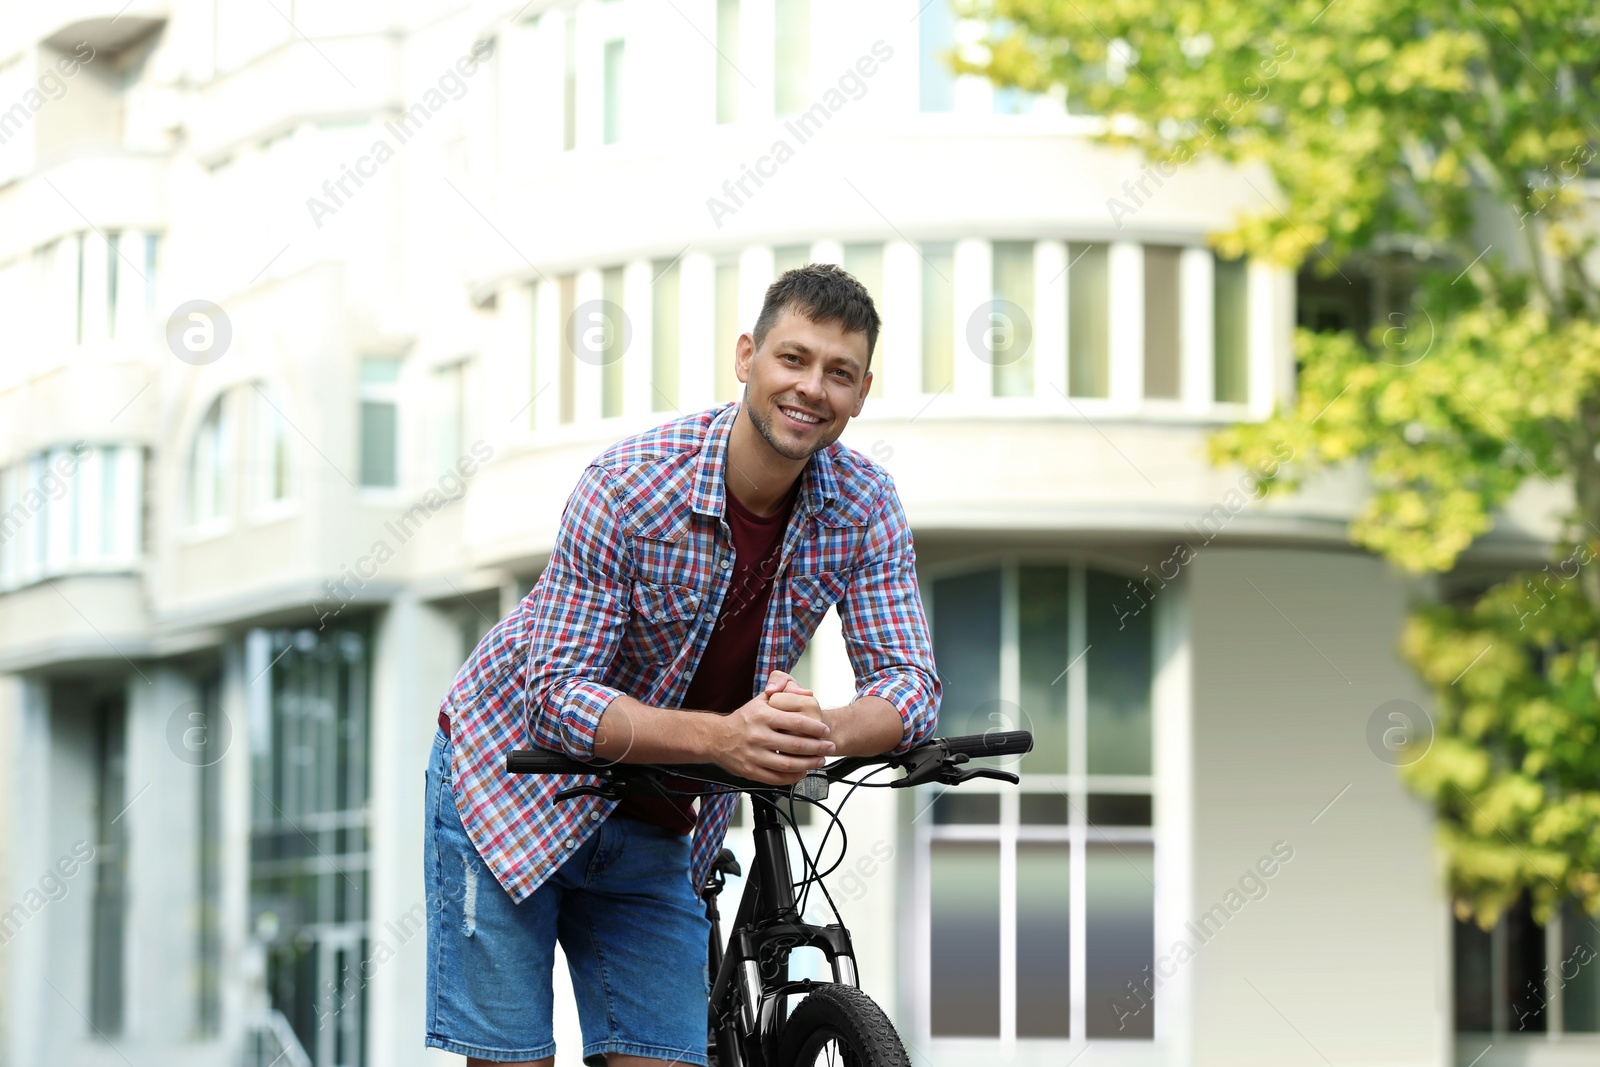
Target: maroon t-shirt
723,679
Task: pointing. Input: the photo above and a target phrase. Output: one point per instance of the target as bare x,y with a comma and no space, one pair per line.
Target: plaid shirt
626,605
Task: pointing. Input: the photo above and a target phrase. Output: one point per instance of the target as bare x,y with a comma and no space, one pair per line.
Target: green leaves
1445,420
1440,148
1370,117
1515,772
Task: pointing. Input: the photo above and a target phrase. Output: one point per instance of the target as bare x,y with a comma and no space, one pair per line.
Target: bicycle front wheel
839,1026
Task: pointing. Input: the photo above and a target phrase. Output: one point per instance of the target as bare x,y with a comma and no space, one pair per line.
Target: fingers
790,721
794,702
782,682
789,744
782,768
779,746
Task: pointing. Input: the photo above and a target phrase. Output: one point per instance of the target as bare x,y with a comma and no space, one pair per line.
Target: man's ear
743,352
861,397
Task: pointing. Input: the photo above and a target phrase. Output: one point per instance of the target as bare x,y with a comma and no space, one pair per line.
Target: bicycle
836,1023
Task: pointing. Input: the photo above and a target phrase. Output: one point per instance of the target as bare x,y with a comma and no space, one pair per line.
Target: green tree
1444,146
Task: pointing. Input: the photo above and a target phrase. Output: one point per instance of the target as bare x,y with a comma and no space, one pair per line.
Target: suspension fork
768,894
724,1036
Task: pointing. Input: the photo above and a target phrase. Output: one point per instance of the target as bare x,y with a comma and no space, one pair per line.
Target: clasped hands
777,736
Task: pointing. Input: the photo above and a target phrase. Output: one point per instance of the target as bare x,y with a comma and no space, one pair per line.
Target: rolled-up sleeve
578,614
885,628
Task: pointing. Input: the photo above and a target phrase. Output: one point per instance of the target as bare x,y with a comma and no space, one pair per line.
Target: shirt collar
819,482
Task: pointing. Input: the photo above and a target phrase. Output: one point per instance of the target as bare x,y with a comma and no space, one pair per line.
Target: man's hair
822,292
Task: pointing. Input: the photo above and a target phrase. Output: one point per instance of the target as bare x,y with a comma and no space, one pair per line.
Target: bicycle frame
744,1010
752,976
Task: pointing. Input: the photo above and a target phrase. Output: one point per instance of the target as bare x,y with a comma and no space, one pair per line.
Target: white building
246,544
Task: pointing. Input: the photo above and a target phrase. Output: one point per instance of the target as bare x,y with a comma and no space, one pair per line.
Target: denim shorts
628,920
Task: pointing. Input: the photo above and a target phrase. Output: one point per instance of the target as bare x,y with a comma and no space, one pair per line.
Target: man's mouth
805,418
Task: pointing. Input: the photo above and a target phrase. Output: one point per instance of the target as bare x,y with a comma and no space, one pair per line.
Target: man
691,568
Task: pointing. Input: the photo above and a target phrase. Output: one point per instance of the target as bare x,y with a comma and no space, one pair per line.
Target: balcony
83,620
267,92
112,188
107,27
94,398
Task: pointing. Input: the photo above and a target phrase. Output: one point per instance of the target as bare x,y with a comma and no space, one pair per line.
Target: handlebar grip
994,743
540,761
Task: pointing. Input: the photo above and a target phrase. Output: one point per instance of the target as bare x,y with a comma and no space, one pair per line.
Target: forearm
633,732
869,726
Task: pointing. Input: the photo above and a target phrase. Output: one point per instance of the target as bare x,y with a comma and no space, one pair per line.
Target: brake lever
955,777
927,765
604,792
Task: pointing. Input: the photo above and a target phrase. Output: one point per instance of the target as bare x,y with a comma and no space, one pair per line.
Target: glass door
1039,899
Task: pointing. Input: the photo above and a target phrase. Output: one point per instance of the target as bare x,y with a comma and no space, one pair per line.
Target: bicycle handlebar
994,743
935,753
539,761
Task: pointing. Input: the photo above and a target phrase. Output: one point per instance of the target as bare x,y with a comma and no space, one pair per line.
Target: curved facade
315,317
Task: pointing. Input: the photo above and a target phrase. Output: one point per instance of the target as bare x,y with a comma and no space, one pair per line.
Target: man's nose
810,383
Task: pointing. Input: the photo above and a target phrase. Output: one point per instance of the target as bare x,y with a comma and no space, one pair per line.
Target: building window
108,913
1522,978
1232,348
1011,871
211,464
54,269
271,459
1088,320
1010,100
38,548
113,254
612,132
1332,305
151,245
534,386
865,264
613,291
938,316
791,56
728,61
14,523
380,422
936,36
449,414
77,251
665,329
71,508
567,370
1162,334
569,82
208,869
788,257
1010,334
727,324
309,834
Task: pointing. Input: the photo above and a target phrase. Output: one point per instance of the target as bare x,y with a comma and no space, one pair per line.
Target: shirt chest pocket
811,595
662,622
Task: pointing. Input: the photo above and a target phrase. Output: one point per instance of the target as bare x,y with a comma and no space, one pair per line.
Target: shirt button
594,816
571,843
726,564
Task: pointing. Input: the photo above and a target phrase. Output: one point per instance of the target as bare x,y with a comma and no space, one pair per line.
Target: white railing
269,1041
1017,329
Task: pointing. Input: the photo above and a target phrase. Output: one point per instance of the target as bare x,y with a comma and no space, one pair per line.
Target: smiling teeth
800,416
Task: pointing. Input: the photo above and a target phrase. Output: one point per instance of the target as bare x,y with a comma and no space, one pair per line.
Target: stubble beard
763,424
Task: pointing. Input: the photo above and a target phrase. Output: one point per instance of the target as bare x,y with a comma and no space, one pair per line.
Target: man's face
804,384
